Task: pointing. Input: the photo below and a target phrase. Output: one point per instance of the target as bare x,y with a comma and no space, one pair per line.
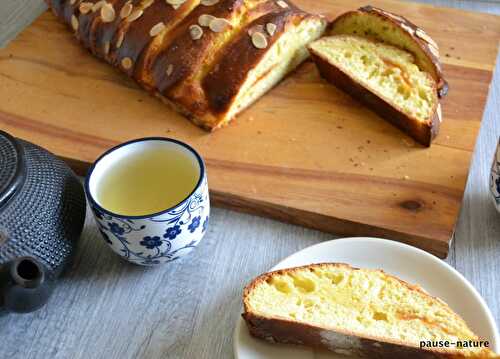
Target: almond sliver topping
74,22
209,2
155,30
219,25
176,3
126,63
259,40
196,32
134,15
85,7
169,70
126,10
423,35
205,20
107,13
257,28
271,28
282,4
98,5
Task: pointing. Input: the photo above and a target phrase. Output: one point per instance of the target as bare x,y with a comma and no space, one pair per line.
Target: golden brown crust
68,11
187,58
175,22
274,330
413,33
422,131
238,59
282,330
133,37
91,32
104,33
183,53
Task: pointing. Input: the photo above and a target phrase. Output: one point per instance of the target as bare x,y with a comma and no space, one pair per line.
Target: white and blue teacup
160,237
495,178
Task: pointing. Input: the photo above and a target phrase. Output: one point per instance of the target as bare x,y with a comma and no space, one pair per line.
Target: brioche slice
385,78
245,73
353,312
384,26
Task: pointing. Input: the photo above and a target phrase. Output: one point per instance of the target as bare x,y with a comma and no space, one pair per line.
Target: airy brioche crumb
363,303
393,29
385,70
282,58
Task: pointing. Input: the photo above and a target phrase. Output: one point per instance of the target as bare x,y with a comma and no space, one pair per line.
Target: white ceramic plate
408,263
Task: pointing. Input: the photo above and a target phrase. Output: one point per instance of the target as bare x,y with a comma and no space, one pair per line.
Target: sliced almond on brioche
395,30
383,77
352,311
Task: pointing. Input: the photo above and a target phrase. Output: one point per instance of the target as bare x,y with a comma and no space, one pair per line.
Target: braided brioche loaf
208,59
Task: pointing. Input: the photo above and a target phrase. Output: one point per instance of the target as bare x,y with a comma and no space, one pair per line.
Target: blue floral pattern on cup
172,232
495,178
195,223
151,242
161,238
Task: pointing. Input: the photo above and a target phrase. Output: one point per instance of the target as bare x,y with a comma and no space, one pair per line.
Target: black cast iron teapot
42,212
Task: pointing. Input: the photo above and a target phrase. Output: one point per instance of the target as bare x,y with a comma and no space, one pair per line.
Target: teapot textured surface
42,206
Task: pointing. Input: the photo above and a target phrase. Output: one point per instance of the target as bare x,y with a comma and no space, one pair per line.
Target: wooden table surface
105,308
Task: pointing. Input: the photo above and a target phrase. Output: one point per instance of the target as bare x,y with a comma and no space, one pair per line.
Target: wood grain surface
306,153
106,308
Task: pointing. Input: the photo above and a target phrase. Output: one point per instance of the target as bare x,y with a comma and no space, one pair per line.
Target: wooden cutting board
305,153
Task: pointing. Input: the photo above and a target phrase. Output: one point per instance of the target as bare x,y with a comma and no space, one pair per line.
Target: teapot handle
24,285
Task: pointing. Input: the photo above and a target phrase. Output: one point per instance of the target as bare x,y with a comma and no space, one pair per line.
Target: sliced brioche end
383,77
395,30
260,73
353,312
282,58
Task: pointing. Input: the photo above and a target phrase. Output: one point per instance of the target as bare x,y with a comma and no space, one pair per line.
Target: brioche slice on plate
353,311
